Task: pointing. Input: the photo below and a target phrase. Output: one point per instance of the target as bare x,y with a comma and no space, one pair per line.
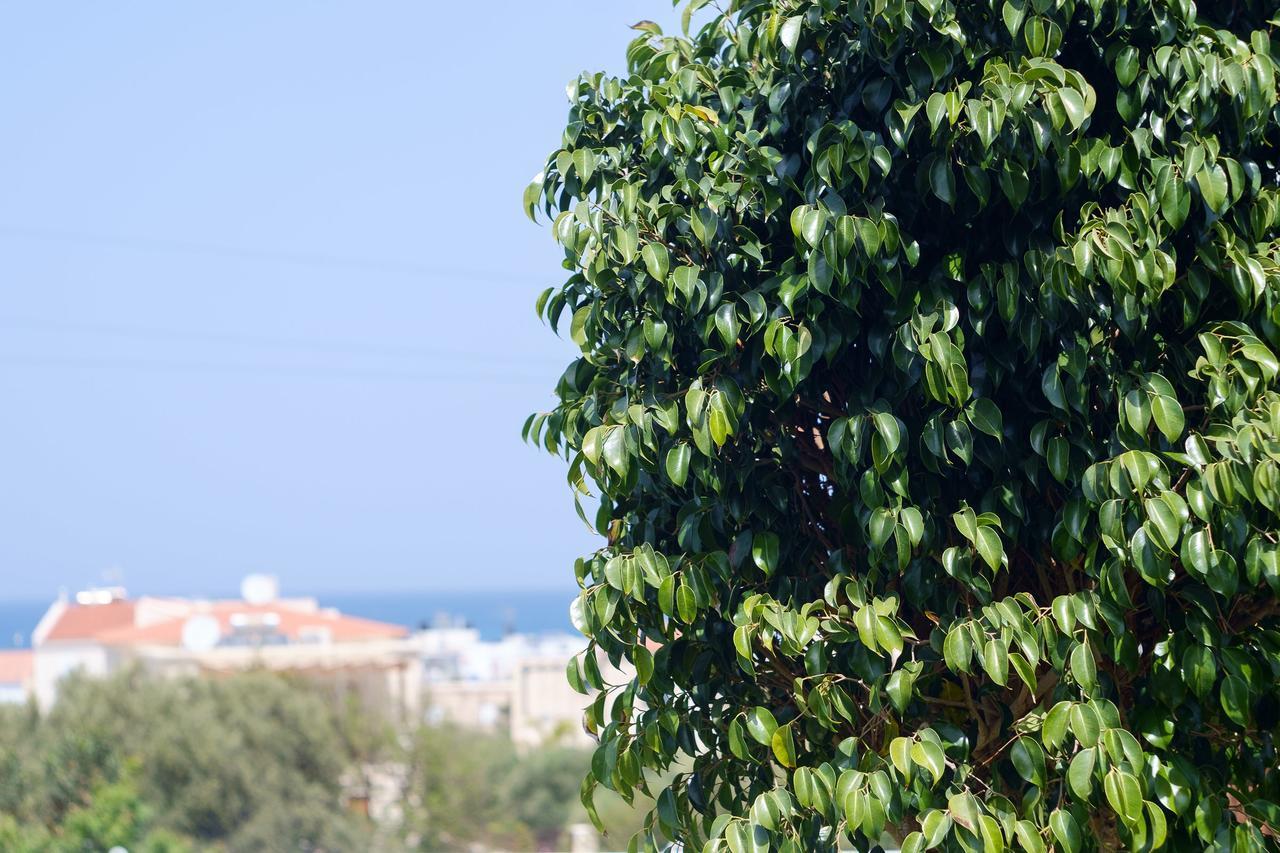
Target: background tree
928,376
248,762
259,761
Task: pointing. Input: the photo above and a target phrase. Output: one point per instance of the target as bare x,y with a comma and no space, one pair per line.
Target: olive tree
928,383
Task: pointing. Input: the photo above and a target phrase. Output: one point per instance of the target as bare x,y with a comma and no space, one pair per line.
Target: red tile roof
89,621
16,666
289,622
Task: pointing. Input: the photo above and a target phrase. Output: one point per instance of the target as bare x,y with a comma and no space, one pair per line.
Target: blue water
492,613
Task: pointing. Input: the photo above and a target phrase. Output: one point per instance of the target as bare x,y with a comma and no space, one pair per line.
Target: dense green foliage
256,762
929,377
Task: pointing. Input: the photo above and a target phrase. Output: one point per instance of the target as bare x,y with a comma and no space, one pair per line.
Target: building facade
103,631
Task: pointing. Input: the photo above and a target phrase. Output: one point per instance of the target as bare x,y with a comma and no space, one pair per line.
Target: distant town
440,672
444,672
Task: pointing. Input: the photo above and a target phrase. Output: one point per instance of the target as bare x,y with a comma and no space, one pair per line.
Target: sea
493,613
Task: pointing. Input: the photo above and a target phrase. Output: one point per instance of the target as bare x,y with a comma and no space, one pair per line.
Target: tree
928,379
250,761
456,793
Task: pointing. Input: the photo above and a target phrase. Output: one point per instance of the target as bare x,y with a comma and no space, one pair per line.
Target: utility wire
312,259
144,333
470,377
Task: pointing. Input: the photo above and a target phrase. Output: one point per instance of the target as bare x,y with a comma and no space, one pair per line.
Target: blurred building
15,676
443,674
515,685
102,631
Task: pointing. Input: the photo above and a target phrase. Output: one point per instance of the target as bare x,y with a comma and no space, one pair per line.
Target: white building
516,684
102,630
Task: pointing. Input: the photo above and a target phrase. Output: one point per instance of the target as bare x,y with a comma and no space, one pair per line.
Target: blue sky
267,292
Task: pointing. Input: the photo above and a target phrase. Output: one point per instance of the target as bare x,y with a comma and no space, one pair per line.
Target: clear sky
266,292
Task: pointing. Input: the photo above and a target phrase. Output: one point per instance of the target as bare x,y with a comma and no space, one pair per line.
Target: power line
313,259
264,369
131,332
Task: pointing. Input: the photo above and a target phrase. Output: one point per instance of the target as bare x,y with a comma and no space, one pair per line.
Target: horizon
288,592
521,611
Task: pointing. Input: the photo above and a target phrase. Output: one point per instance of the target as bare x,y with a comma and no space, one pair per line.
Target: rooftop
277,619
16,666
89,621
199,623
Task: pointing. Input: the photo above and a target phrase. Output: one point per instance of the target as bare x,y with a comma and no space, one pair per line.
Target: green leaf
1235,699
685,279
1166,524
996,662
943,181
900,755
584,163
1064,614
1083,668
1085,724
1168,416
1074,105
727,323
1127,65
929,755
686,604
737,743
964,811
957,649
889,430
985,417
764,551
1051,385
1028,837
1066,830
1080,774
888,637
678,463
935,825
1212,180
989,547
1059,458
1199,670
813,225
1054,730
1028,760
1159,826
761,725
643,660
789,32
657,260
1013,12
614,450
1123,795
784,747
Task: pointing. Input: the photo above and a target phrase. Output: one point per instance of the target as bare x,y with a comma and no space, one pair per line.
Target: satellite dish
259,589
201,633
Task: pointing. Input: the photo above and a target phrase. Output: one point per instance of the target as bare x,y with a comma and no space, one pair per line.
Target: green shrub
929,380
